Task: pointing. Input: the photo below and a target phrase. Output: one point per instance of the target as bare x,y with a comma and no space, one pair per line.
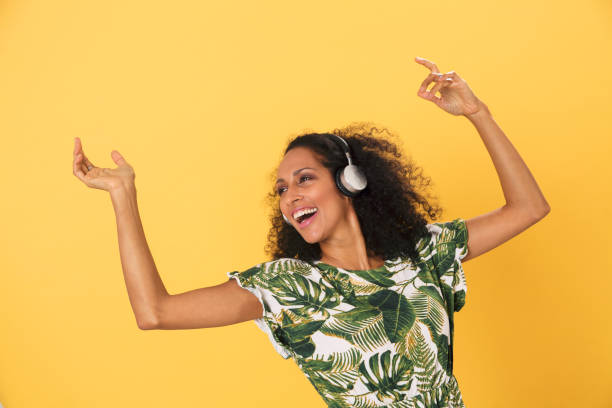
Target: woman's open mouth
306,219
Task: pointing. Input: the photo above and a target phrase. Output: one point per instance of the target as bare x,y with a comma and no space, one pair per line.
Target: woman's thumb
118,158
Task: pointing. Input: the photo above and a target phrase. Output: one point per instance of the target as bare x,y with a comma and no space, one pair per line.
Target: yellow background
201,99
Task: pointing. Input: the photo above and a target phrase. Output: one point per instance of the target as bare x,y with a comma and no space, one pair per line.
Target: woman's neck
346,247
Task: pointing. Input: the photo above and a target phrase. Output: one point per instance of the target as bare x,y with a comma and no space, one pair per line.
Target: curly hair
392,210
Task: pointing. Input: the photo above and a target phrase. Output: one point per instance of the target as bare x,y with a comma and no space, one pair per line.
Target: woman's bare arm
144,285
220,305
154,308
525,203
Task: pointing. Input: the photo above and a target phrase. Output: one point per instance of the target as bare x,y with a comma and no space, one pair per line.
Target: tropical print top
369,338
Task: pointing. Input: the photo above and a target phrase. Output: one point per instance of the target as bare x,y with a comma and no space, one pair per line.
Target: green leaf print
447,291
339,280
459,299
398,313
423,357
289,266
310,297
358,313
442,344
298,336
336,362
377,276
430,310
432,292
453,235
335,373
286,319
362,326
387,375
336,401
428,275
323,384
249,273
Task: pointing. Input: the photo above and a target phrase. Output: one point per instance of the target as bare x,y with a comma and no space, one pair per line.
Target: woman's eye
280,190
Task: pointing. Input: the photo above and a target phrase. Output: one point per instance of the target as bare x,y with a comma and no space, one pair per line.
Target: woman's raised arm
153,306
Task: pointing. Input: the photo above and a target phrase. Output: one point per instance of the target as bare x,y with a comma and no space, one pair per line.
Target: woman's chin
311,238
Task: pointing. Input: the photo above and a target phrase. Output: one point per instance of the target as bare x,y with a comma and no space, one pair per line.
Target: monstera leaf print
311,298
387,375
398,313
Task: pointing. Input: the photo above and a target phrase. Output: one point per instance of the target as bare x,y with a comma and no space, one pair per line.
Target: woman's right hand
98,177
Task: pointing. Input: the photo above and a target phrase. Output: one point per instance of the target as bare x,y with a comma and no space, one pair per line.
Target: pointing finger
428,64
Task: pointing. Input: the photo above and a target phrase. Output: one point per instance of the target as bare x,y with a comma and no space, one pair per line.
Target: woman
361,290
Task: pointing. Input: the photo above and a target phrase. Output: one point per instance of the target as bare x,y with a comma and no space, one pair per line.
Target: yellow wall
201,99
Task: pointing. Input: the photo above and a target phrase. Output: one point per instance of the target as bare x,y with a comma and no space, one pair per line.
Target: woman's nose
292,196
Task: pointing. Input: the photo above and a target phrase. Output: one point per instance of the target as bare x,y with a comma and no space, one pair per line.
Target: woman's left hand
457,97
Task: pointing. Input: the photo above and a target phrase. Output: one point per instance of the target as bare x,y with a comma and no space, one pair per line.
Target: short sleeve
449,247
255,281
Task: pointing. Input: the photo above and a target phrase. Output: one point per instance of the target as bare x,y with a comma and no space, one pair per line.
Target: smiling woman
361,287
390,213
361,290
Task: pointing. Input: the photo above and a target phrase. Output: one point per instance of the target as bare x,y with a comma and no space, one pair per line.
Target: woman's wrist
122,188
481,112
122,191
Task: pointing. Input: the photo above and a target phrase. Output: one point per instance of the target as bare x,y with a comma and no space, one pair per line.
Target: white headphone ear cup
353,178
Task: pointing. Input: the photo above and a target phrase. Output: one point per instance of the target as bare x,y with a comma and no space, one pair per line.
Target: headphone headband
344,146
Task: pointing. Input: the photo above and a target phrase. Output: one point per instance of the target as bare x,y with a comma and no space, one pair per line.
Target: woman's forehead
297,157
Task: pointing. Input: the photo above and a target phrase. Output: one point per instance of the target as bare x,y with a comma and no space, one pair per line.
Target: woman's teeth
303,212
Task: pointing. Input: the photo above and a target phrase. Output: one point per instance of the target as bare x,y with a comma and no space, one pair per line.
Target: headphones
350,179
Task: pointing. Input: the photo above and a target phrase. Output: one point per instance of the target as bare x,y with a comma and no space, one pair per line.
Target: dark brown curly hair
392,210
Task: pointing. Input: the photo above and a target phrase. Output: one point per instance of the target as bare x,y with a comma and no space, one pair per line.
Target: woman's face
303,182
